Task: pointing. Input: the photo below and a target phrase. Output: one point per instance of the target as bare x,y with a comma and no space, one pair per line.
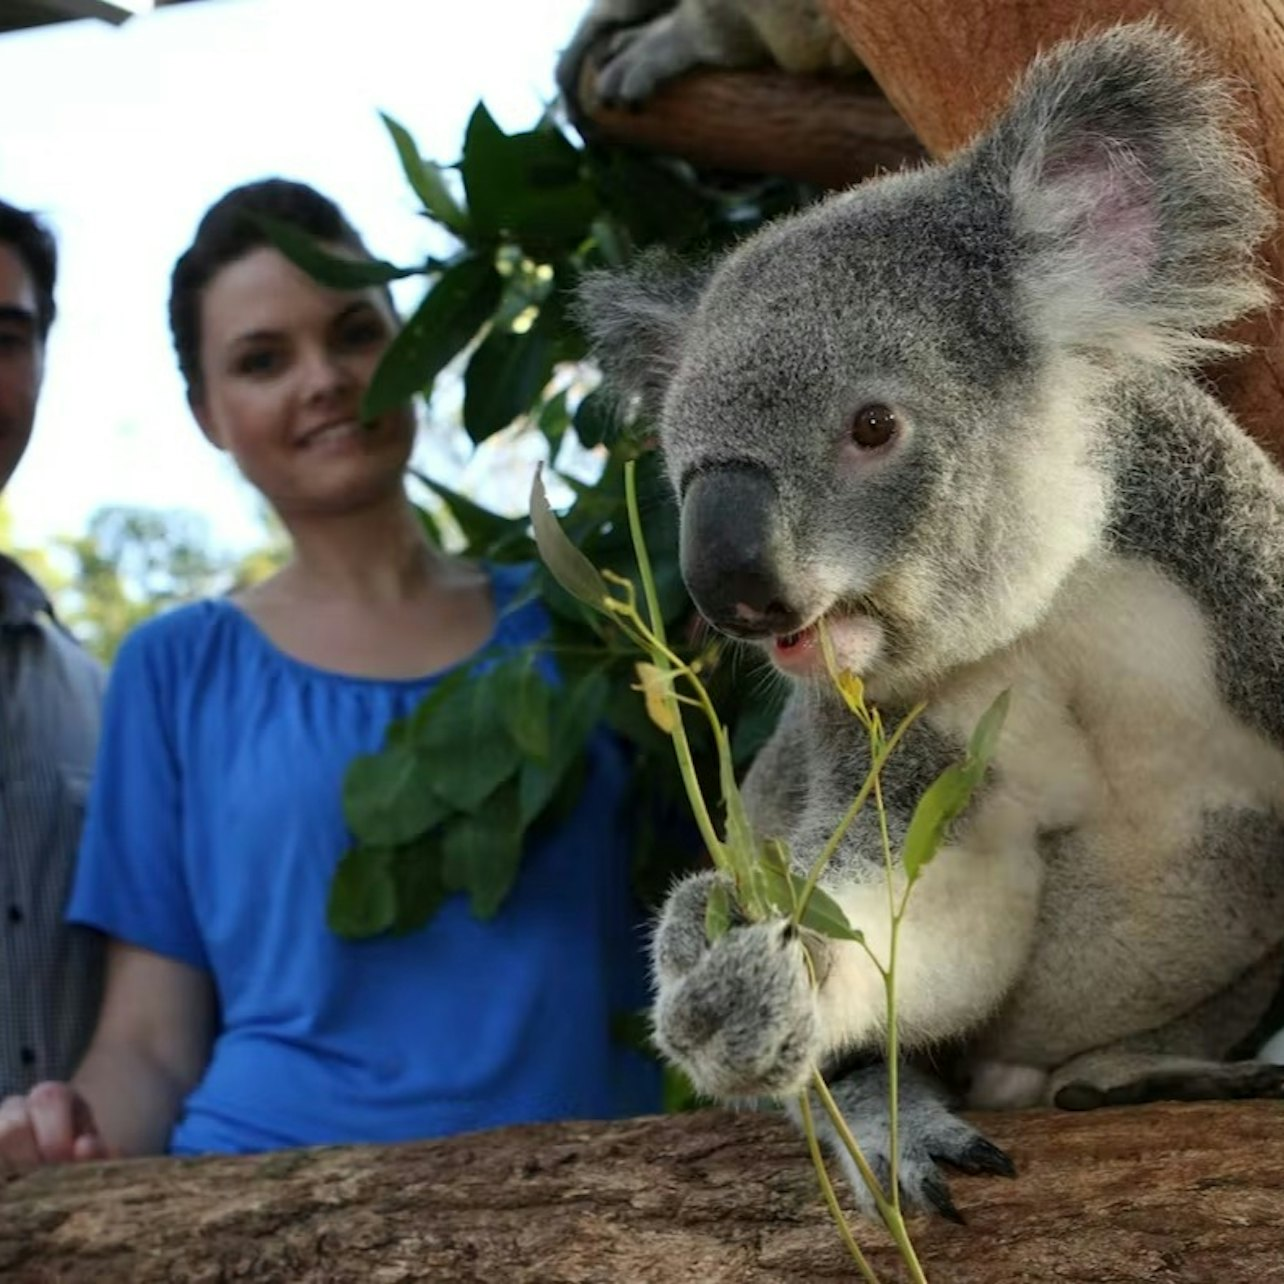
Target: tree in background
133,563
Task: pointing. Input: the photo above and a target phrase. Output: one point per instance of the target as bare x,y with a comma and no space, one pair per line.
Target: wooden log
947,68
832,131
1168,1194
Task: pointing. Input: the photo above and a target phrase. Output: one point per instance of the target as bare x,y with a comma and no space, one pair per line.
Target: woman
233,1020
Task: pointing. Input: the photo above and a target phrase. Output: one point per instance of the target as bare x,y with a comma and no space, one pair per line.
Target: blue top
215,823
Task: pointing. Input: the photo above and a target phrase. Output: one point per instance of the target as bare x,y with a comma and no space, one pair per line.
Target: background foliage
446,805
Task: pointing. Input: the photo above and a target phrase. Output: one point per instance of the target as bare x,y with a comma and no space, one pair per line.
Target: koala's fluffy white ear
636,320
1137,210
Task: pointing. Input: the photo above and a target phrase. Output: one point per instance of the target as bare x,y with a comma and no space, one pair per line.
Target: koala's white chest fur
1146,798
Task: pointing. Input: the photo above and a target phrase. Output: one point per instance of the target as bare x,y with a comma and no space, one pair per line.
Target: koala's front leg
739,1016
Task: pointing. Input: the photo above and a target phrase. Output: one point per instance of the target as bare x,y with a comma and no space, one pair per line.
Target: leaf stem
827,1188
890,1214
818,866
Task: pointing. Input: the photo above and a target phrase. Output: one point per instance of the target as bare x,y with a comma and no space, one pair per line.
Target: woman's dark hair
33,243
229,231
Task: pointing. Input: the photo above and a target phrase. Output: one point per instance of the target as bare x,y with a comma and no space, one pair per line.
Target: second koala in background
951,413
643,43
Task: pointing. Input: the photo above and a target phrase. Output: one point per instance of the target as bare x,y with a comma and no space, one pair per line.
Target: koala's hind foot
1116,1078
738,1015
929,1135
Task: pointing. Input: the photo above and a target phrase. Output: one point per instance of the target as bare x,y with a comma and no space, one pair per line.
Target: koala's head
892,410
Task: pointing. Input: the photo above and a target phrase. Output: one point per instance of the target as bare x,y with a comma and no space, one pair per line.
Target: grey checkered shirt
50,973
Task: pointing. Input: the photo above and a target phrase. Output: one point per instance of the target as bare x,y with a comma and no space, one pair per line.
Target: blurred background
120,123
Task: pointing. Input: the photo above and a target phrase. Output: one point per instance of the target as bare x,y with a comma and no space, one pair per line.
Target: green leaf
426,180
467,744
387,797
505,376
985,737
717,912
572,570
482,852
362,900
482,528
594,421
941,802
529,186
553,420
526,699
825,917
947,796
335,271
576,711
419,881
740,847
449,317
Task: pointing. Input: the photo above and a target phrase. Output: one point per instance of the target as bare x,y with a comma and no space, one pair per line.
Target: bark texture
1172,1194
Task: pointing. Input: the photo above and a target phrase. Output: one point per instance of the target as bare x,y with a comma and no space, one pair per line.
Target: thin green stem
639,551
889,987
818,866
889,1213
827,1188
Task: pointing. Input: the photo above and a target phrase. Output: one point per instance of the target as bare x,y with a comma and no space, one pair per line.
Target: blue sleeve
130,881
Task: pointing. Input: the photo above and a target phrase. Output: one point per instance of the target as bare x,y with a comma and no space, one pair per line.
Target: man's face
22,360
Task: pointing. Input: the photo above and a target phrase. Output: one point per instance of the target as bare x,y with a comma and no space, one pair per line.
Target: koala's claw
928,1133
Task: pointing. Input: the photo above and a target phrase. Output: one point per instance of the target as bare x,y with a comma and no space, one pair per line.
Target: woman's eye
359,334
256,361
873,426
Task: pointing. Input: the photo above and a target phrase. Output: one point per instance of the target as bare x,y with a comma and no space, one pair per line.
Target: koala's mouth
856,638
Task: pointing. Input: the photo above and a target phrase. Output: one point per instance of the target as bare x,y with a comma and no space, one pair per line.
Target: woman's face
284,363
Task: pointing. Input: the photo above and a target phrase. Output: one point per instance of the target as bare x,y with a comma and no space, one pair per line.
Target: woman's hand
52,1124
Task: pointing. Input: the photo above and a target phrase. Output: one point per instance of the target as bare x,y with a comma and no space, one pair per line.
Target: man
50,693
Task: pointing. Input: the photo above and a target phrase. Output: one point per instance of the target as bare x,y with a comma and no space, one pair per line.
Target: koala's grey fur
1064,511
646,42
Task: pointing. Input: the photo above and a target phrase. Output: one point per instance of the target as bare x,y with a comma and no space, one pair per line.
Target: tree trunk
1171,1194
832,131
947,67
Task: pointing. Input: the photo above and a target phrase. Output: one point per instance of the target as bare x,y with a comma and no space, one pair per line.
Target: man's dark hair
34,245
229,231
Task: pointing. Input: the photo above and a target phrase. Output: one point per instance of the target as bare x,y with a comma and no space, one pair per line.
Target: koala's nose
730,552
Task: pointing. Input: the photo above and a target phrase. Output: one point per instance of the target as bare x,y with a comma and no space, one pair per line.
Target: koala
646,42
953,414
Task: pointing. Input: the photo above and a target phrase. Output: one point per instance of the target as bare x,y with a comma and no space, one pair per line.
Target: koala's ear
636,319
1137,210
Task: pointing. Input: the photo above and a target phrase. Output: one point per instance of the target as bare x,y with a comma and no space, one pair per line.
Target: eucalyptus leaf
740,847
445,322
467,741
525,699
825,917
529,186
387,797
985,736
426,180
419,881
572,570
482,852
335,271
941,802
483,529
505,376
363,899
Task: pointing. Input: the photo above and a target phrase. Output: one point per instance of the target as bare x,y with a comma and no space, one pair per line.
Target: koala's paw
929,1134
638,60
738,1016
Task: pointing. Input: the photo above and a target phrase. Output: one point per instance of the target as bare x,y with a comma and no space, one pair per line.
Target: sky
122,136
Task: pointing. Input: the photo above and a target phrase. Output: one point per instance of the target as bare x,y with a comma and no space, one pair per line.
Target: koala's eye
873,426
